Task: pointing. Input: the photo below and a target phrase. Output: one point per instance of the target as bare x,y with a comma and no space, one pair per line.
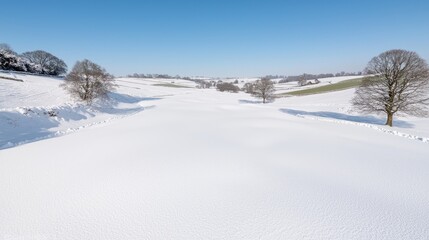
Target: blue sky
218,37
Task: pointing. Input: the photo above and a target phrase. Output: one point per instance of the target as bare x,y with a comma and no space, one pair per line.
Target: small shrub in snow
248,87
51,113
227,87
204,84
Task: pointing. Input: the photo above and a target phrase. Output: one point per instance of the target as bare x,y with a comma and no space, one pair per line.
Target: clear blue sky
218,37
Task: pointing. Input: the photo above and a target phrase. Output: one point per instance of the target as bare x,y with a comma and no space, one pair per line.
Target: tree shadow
243,101
114,103
346,117
17,127
33,124
125,98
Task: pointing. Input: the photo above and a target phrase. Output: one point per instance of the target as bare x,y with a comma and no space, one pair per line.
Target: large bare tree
48,63
400,85
264,89
88,81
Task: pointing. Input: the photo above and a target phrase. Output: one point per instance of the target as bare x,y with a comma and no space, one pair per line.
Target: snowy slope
293,86
36,107
136,82
208,165
33,91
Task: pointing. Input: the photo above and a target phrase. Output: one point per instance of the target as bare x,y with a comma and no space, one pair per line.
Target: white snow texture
157,162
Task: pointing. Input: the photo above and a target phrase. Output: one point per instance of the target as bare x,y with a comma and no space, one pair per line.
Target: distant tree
49,63
248,87
7,48
264,89
236,81
10,61
227,87
204,84
88,81
401,85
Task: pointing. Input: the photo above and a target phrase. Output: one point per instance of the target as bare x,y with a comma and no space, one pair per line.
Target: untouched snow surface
201,164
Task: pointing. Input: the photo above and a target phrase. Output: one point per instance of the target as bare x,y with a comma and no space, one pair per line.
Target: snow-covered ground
186,163
139,82
38,108
34,91
290,86
293,86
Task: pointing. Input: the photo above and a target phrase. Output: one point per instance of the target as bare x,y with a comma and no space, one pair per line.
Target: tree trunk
389,119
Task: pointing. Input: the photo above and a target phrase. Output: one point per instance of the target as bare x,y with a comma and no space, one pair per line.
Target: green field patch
343,85
170,85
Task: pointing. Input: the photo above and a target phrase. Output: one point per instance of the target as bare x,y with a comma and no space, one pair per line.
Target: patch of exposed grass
170,85
343,85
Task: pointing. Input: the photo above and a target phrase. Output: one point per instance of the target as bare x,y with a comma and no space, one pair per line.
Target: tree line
164,76
39,61
305,76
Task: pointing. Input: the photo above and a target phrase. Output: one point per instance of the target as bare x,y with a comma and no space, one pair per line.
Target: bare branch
401,85
88,81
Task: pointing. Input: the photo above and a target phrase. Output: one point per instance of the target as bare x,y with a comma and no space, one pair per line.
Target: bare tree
48,63
204,84
401,85
264,89
248,87
88,81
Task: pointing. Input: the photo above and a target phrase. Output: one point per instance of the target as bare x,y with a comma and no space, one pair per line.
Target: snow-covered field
293,86
158,162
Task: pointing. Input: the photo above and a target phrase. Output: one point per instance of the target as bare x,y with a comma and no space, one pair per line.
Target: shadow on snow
24,125
346,117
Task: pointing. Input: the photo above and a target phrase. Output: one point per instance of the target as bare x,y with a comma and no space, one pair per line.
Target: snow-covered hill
282,88
293,86
37,107
201,164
